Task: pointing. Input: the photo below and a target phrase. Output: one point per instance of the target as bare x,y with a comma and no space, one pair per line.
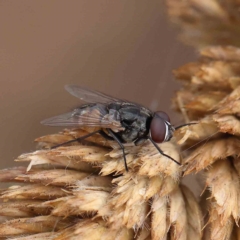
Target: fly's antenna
186,124
204,139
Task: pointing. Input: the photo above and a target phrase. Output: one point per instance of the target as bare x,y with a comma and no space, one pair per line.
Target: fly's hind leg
77,139
101,132
113,135
104,135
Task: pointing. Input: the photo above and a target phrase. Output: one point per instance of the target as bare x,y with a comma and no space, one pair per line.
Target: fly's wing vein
92,116
90,96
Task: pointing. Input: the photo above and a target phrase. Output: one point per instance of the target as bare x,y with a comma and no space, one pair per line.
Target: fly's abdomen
98,115
92,113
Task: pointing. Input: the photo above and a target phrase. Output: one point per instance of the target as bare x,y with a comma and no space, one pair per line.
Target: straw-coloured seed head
206,22
64,183
212,145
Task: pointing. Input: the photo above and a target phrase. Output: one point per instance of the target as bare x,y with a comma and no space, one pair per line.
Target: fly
118,120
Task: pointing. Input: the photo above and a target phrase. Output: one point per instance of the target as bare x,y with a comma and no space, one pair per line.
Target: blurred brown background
124,48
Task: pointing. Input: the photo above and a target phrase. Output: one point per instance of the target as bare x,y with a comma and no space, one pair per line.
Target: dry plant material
84,192
207,22
213,146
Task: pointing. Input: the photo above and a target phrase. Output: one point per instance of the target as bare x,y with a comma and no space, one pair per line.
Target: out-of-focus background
124,48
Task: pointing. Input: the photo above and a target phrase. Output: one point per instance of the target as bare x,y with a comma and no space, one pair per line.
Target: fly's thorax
132,120
115,105
135,122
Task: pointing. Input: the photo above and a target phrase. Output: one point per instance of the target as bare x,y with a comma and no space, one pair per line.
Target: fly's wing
94,115
90,96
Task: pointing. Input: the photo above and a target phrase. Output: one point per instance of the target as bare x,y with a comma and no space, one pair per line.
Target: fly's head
161,129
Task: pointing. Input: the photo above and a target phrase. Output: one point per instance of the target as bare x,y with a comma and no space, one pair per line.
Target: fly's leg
140,141
77,139
186,124
104,135
161,152
113,135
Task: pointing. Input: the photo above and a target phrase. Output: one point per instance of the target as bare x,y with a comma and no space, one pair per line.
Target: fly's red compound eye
162,115
158,129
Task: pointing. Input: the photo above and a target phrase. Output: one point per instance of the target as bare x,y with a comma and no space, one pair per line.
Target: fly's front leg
161,151
113,135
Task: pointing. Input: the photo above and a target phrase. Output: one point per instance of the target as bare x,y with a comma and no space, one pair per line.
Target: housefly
117,119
